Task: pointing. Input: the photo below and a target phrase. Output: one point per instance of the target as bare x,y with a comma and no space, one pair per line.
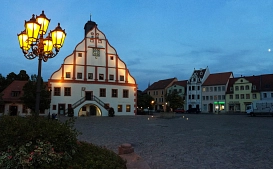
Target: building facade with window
266,87
92,79
242,91
214,92
158,91
12,104
194,93
180,87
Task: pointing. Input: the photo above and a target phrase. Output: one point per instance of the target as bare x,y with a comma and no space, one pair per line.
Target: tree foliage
144,100
29,96
5,81
175,100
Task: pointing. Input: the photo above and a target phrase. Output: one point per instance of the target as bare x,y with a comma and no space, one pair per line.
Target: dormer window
253,87
15,93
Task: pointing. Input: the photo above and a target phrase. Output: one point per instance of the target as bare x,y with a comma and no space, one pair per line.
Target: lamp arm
29,55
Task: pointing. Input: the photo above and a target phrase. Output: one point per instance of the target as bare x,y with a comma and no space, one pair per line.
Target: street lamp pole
33,45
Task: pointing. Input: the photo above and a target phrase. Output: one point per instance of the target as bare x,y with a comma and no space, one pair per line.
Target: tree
144,100
175,100
29,96
22,75
2,83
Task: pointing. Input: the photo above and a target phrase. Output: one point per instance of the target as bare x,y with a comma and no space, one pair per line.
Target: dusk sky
157,39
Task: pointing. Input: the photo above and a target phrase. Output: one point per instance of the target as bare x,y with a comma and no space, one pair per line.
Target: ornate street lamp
33,44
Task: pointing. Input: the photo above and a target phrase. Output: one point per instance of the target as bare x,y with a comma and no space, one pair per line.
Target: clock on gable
96,52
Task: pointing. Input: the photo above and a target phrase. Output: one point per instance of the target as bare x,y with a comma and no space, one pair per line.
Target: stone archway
89,110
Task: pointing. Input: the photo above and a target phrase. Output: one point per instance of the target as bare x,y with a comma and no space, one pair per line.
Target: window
223,88
111,77
211,97
215,97
219,88
215,89
128,108
264,95
180,90
79,54
15,93
96,52
219,97
189,96
57,91
211,89
121,78
102,92
237,96
203,89
119,108
242,96
112,57
90,75
175,90
67,91
192,96
242,87
254,87
198,96
254,96
54,107
189,87
230,96
125,93
198,87
207,97
223,97
204,97
193,88
79,75
231,89
247,96
67,74
101,76
114,92
236,88
247,87
272,95
162,91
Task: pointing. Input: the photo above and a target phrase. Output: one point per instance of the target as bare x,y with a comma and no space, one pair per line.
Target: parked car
193,110
179,110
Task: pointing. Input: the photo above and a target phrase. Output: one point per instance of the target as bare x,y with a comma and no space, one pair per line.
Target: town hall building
93,79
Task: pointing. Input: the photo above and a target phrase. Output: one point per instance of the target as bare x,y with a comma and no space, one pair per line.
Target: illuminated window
128,108
119,108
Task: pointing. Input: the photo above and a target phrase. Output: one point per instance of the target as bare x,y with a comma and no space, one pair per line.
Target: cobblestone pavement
195,141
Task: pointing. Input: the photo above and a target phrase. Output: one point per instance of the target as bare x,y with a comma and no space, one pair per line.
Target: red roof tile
15,86
181,83
218,79
161,84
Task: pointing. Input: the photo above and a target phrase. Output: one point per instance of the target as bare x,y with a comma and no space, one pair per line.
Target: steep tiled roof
267,82
255,80
15,86
161,84
217,79
181,83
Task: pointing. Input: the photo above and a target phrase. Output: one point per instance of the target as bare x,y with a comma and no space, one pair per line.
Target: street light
33,44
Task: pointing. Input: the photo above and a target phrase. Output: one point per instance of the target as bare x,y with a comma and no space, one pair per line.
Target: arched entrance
89,110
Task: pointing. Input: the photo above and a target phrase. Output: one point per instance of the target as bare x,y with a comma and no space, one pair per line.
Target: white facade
92,79
194,92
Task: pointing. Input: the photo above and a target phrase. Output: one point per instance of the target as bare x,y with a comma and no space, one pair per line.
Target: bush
38,142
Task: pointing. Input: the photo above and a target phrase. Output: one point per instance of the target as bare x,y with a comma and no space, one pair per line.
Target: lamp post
33,45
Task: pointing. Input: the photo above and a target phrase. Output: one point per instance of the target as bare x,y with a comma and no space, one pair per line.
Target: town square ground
188,140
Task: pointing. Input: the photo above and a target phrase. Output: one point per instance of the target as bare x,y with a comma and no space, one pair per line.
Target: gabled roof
255,80
218,79
199,73
161,84
267,82
181,83
15,86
